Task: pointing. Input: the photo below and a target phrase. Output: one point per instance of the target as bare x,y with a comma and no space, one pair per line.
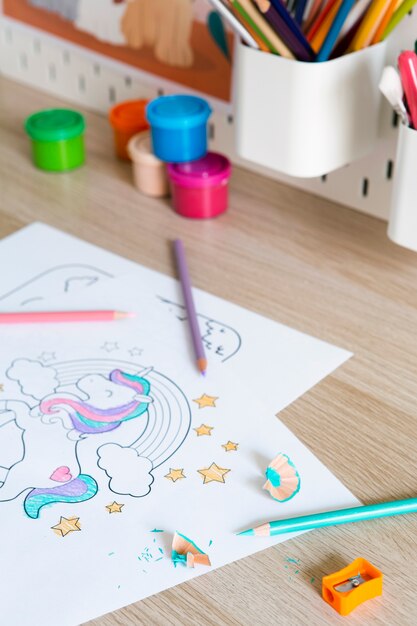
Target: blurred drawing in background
184,41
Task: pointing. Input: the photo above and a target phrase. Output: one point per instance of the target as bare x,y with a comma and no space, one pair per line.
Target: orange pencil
269,34
261,44
384,23
321,34
52,317
319,20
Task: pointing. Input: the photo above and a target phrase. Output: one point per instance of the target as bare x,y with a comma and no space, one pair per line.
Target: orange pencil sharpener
352,585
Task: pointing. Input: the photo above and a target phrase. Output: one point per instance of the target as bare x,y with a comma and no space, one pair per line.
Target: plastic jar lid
129,115
140,149
177,112
55,125
213,169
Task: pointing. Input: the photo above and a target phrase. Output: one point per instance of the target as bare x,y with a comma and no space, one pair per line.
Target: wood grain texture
303,261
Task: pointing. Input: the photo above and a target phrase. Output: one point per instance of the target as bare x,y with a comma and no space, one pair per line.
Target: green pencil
239,8
333,518
398,15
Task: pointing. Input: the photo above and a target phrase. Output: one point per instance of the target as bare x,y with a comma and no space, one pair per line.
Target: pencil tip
121,315
246,532
203,373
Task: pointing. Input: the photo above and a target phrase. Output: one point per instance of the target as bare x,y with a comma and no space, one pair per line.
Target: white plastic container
402,226
306,119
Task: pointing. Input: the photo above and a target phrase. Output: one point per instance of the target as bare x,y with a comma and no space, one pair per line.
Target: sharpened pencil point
202,365
246,532
121,315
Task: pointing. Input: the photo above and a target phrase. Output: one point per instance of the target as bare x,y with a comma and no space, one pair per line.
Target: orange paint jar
127,119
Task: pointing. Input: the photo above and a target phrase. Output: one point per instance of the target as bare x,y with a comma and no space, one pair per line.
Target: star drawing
46,357
114,507
229,446
110,346
66,526
203,430
205,401
135,351
214,473
175,474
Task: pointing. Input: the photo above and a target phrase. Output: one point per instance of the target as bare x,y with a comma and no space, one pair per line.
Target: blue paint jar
179,127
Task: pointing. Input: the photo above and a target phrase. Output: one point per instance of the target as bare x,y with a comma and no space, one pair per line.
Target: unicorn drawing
101,420
119,398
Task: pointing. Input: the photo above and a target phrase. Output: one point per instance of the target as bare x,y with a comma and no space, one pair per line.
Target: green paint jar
57,139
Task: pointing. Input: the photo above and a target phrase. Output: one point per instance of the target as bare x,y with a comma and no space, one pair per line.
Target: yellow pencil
385,20
369,25
248,27
263,25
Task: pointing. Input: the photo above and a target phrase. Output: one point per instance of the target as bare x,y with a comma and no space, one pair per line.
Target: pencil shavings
186,552
282,479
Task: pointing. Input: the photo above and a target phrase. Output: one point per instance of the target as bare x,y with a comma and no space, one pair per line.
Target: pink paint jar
149,173
200,188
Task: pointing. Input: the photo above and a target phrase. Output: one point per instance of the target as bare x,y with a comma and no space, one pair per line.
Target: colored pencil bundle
313,30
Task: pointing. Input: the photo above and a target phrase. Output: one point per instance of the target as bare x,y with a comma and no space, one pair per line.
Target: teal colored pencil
333,518
335,28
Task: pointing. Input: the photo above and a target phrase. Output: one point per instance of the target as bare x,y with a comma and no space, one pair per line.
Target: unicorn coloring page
111,440
62,425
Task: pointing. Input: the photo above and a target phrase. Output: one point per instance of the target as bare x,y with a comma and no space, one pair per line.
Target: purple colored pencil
283,12
285,32
189,305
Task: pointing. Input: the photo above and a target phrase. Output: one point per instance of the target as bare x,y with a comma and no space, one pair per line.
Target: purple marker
189,305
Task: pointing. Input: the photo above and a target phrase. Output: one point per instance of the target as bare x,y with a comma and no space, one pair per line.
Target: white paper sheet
256,367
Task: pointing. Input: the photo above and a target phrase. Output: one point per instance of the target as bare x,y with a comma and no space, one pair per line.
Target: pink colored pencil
52,317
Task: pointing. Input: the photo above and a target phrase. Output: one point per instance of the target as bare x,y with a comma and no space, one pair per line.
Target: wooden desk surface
306,262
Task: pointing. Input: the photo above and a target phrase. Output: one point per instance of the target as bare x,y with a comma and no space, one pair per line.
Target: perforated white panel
85,78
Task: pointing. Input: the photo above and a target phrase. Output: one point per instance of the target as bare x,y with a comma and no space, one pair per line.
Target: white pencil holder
306,119
402,226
